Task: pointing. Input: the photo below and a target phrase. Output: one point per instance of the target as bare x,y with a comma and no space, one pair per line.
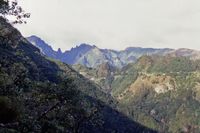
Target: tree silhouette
11,8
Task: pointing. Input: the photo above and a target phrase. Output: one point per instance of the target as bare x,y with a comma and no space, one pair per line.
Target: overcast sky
114,24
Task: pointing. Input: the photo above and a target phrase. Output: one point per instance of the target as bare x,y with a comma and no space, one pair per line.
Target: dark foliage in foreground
39,95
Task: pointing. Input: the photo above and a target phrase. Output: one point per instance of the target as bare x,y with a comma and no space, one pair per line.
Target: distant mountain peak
84,45
130,48
34,36
45,48
92,56
37,39
59,50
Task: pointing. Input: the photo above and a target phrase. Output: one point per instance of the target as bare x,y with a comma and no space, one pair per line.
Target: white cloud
115,24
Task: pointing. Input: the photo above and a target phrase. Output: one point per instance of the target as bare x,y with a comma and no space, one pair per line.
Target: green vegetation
42,95
173,64
126,77
174,110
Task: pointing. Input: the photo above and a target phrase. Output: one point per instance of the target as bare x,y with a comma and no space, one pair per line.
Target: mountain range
92,56
42,95
158,88
160,92
155,90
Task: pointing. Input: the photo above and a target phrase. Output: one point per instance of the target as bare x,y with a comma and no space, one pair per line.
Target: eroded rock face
156,83
163,88
105,70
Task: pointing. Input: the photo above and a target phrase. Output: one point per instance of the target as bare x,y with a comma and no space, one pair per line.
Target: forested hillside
112,86
161,92
41,95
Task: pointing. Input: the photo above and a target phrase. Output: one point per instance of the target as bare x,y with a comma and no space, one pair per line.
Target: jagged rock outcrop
92,56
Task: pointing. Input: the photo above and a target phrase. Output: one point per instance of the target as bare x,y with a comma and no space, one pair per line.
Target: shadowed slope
47,96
